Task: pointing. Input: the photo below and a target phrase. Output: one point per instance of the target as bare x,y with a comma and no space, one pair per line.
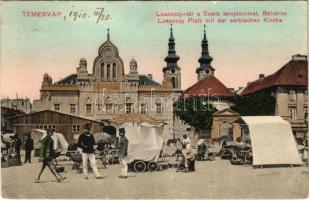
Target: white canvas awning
59,140
145,142
272,141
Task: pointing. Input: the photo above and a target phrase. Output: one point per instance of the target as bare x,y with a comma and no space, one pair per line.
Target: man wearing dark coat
28,149
123,152
18,144
86,142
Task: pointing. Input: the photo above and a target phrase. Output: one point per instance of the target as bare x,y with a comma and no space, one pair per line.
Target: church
108,91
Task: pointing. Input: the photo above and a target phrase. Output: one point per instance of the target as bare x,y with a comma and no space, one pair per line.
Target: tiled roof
69,80
294,73
211,86
146,81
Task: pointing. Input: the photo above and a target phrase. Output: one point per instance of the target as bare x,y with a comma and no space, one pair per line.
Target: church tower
205,69
172,70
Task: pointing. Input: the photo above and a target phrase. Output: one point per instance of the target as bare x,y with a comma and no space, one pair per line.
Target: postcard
154,100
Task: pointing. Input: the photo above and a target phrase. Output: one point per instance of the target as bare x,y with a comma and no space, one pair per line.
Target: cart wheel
152,166
139,166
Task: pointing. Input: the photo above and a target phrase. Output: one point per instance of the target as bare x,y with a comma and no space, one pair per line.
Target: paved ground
212,179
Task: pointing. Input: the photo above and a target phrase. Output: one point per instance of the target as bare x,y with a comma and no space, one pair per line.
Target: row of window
72,108
106,70
143,108
75,127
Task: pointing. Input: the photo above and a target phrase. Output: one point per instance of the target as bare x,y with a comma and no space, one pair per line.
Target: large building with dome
108,91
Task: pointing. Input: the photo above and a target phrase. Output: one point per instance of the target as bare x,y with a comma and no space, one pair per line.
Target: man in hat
86,142
123,152
28,149
46,155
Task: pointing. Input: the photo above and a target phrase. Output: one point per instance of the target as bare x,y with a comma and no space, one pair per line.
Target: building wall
292,104
65,124
17,104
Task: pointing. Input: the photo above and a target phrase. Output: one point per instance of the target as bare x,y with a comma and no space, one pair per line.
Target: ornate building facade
108,92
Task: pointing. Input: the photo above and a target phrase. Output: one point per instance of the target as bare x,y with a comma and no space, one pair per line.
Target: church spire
108,34
171,58
205,59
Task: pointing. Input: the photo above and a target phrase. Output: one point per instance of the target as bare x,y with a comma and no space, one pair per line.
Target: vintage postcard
154,100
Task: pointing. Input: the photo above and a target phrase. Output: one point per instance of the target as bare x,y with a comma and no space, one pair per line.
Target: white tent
272,141
145,142
59,140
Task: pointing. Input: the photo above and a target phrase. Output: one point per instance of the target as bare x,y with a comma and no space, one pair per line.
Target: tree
257,104
195,113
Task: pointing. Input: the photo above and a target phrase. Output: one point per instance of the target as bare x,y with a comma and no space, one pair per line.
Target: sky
32,46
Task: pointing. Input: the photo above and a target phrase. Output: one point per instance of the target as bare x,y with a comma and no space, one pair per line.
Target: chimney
149,76
299,57
261,76
240,88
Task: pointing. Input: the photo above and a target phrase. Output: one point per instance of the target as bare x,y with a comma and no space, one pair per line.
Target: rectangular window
41,126
108,70
128,108
143,108
88,109
158,108
292,95
72,108
75,128
292,113
57,107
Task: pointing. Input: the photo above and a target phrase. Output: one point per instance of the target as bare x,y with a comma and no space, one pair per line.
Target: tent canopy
101,137
59,140
272,141
145,142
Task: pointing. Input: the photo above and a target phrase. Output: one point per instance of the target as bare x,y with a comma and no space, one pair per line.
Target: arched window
108,71
173,82
114,70
102,70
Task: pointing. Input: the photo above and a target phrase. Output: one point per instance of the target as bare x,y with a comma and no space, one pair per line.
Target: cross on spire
107,33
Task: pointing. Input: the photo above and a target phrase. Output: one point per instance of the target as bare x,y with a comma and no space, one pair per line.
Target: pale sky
32,46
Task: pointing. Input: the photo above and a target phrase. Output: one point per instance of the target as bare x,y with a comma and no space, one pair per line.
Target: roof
294,73
209,86
135,118
146,81
33,113
226,111
69,80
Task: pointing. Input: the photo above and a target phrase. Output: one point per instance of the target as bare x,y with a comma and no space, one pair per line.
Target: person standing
186,140
17,143
46,156
86,142
123,152
28,149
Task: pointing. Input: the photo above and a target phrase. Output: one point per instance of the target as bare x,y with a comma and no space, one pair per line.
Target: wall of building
292,104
